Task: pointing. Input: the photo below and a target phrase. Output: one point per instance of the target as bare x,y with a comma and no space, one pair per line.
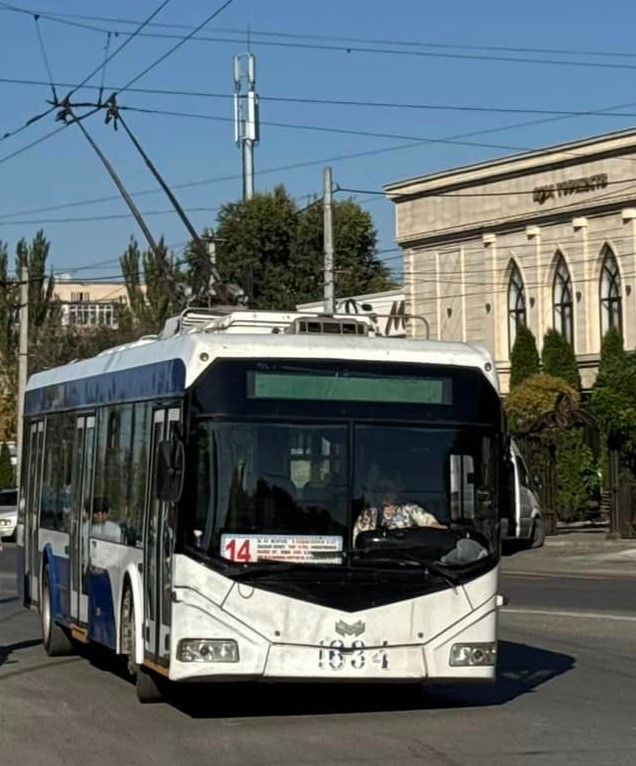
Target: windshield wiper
409,560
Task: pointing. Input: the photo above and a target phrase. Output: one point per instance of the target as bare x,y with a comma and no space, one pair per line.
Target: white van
528,525
8,513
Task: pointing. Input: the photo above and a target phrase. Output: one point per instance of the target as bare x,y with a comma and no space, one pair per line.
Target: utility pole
328,246
23,363
246,120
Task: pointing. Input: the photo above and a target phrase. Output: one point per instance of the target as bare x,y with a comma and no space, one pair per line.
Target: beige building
90,303
546,239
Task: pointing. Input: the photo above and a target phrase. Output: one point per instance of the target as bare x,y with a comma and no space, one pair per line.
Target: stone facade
546,238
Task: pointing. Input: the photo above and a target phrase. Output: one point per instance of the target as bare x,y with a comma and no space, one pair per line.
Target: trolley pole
23,364
328,243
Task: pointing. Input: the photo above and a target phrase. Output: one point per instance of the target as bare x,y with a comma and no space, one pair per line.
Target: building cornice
516,223
550,158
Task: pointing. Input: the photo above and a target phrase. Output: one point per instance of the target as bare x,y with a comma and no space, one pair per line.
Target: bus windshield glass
304,492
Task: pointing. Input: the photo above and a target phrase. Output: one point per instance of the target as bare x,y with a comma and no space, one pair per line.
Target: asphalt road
565,694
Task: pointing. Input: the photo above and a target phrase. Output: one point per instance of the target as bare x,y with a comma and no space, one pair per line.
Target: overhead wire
45,58
99,218
378,41
120,48
608,112
441,51
170,51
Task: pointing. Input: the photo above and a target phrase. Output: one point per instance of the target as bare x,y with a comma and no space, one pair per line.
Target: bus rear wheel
57,642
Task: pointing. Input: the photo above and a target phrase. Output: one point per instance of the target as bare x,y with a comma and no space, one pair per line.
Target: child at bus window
389,514
101,526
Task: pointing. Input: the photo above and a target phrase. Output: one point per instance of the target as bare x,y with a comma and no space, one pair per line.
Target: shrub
559,360
524,359
537,398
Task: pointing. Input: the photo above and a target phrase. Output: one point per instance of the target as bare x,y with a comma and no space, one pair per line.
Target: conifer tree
524,359
559,360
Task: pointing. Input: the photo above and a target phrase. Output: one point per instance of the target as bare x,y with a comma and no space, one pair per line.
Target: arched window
516,305
562,306
610,293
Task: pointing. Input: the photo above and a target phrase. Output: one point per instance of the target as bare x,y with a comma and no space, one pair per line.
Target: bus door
159,536
32,484
82,482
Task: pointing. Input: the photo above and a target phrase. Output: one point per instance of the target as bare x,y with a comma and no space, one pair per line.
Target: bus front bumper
469,641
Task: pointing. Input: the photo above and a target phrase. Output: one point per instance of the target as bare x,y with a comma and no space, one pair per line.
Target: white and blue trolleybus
262,496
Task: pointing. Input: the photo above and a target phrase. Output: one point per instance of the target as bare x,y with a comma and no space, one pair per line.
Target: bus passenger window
56,498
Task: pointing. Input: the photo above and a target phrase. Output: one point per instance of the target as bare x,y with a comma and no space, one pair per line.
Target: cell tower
246,128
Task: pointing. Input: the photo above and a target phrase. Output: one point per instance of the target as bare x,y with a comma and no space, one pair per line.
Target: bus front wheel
147,684
57,642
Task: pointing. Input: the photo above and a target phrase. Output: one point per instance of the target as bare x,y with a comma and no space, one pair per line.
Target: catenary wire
170,51
120,48
297,35
342,102
348,48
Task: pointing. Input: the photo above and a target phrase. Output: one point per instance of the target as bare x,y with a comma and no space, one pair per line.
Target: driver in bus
389,514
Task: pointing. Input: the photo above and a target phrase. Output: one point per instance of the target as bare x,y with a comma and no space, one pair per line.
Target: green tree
35,256
64,344
524,359
275,251
613,398
42,315
164,282
357,266
578,483
7,472
8,346
253,247
559,360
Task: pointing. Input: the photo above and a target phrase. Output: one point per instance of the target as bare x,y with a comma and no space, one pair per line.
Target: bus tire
128,638
537,536
57,642
149,688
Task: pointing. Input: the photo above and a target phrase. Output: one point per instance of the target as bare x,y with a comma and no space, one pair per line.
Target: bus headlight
208,650
473,654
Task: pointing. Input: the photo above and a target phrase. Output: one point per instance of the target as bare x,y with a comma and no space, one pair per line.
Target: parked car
8,513
528,524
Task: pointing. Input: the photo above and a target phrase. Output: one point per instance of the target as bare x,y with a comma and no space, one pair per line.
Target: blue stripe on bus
59,572
145,382
101,614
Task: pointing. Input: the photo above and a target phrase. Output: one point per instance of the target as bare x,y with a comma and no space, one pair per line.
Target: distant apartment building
88,304
545,239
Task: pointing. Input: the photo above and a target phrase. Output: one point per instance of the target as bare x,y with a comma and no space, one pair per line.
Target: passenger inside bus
388,513
101,526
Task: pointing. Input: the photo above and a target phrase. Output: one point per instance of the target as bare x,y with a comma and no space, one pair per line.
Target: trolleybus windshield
324,463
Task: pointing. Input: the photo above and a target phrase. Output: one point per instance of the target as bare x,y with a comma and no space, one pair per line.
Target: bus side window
56,497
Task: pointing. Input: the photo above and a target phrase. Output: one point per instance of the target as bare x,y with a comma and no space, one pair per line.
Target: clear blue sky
64,169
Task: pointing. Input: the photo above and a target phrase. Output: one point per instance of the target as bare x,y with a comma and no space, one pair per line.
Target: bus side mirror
170,470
